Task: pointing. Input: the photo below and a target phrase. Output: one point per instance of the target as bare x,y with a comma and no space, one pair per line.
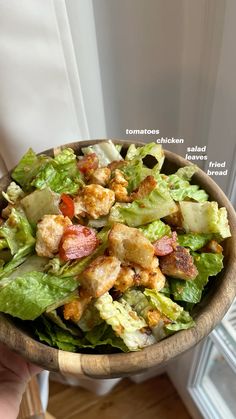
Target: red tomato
77,241
88,163
67,206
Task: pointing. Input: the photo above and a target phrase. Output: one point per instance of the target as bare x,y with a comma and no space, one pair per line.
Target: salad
101,253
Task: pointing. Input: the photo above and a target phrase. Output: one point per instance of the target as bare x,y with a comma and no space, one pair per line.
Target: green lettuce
124,321
27,169
90,318
208,264
39,203
205,217
194,241
156,205
181,189
151,149
164,304
31,293
18,234
103,334
184,321
60,174
13,193
155,230
106,152
186,172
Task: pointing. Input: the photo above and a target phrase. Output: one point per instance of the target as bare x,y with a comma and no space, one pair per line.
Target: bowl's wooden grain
207,314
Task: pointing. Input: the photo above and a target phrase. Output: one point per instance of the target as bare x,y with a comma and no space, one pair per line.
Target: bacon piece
77,241
88,164
165,245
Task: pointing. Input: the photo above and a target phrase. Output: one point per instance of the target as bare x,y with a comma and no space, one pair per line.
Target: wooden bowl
207,313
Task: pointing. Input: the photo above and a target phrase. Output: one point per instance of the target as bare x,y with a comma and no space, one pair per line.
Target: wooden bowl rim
123,364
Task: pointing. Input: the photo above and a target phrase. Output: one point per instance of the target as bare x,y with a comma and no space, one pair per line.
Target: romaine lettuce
106,152
151,149
124,321
155,230
39,203
181,189
164,304
194,241
30,294
205,217
208,264
156,205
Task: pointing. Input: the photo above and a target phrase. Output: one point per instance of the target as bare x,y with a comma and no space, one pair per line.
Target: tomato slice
67,206
88,164
77,241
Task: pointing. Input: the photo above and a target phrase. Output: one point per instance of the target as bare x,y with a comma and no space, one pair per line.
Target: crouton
97,200
130,245
100,276
49,233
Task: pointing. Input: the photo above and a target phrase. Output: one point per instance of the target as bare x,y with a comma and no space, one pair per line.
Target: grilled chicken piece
119,184
151,277
49,233
74,310
145,187
97,200
100,276
179,264
129,245
125,279
100,176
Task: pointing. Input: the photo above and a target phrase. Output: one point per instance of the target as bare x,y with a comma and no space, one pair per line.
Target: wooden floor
152,399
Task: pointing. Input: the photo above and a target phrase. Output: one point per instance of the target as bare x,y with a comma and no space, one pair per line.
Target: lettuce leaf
18,234
156,205
39,203
151,149
184,321
13,193
205,217
194,241
103,334
208,264
186,172
155,230
106,152
60,174
181,189
90,318
124,321
31,293
27,169
164,304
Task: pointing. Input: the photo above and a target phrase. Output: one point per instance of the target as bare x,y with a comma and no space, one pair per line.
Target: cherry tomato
67,206
77,241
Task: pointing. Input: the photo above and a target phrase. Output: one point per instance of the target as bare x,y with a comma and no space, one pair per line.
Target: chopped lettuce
56,319
138,301
135,172
156,205
124,321
106,152
31,293
27,169
194,241
151,149
184,321
164,304
155,230
13,193
181,189
205,217
29,264
187,172
18,234
60,174
90,318
39,203
208,264
103,334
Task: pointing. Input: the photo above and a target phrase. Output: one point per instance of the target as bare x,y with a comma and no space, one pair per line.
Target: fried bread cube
128,244
100,276
97,200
